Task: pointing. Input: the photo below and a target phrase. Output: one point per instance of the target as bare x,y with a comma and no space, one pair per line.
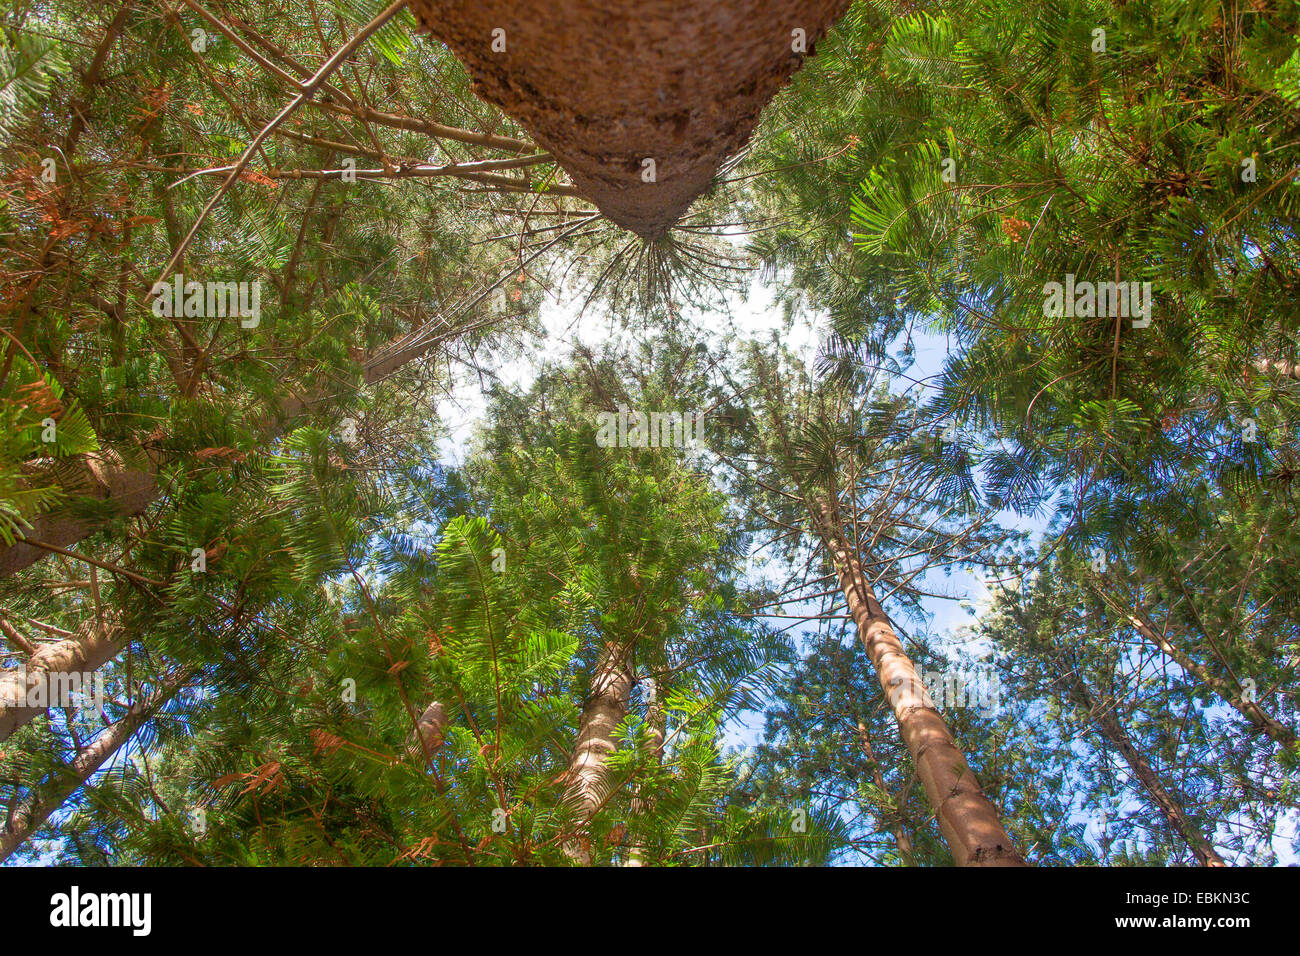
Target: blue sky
755,315
752,315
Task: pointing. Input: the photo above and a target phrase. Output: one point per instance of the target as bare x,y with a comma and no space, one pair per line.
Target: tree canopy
897,470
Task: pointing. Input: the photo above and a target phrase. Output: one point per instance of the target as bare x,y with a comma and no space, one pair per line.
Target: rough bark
427,737
100,476
93,645
967,819
29,813
603,85
586,784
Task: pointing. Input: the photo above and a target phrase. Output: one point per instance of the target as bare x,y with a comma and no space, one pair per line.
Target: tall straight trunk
604,85
1230,695
29,813
1160,795
586,785
967,819
902,842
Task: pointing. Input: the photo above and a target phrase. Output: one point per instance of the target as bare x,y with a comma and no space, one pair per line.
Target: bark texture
90,648
603,85
967,819
586,785
427,737
100,476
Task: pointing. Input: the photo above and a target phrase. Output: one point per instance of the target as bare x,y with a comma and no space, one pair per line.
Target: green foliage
38,429
1123,496
28,65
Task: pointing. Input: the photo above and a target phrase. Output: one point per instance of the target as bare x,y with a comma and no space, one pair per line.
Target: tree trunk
427,737
606,706
89,649
29,813
655,721
1172,810
604,85
967,819
1252,711
103,476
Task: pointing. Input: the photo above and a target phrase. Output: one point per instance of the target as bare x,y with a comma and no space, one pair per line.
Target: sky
754,314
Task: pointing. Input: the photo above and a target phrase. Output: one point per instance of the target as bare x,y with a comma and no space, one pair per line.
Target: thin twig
308,89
